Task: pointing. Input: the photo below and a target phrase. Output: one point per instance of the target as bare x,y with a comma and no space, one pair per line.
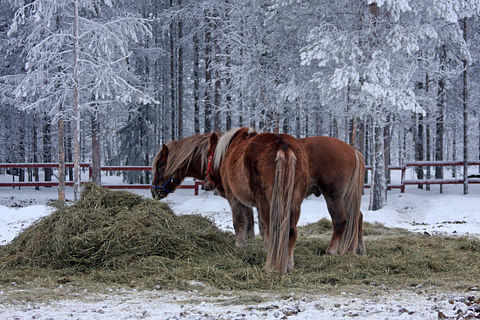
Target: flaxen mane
223,144
183,152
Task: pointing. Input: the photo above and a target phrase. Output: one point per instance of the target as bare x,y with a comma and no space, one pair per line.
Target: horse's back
331,161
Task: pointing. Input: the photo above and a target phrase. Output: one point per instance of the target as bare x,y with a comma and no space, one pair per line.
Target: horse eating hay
268,171
189,157
336,171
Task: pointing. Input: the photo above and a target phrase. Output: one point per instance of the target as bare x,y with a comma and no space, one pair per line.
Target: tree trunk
297,122
216,102
439,120
76,110
68,148
35,150
361,136
208,76
306,125
228,97
196,77
465,115
386,148
454,148
379,187
47,147
368,140
21,148
172,79
96,158
285,124
419,146
252,115
180,78
428,136
352,131
428,147
61,162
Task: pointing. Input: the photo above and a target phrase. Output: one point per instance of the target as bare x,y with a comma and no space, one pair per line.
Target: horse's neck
195,171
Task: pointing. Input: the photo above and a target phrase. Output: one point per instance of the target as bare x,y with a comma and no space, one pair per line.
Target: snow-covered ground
421,211
132,304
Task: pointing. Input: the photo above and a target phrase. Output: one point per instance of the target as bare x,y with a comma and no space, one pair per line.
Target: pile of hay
111,230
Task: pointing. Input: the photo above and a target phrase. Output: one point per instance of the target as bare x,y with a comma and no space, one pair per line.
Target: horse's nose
153,191
208,186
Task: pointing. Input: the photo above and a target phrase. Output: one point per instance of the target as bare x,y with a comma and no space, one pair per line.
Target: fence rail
196,186
420,164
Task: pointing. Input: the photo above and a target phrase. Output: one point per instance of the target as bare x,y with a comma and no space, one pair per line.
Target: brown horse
189,157
268,171
337,171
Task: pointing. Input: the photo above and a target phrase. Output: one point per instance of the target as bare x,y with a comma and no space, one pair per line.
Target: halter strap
209,165
163,187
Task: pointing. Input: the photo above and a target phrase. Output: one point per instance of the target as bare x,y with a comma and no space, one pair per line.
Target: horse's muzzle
157,193
208,186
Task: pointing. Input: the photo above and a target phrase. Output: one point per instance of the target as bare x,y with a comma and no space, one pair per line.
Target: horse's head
212,176
163,182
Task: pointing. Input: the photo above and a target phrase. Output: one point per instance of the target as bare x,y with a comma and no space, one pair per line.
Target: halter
209,164
163,187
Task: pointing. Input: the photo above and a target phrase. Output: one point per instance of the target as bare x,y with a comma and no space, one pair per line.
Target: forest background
110,81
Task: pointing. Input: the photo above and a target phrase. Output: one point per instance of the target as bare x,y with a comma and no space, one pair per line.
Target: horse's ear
213,140
164,151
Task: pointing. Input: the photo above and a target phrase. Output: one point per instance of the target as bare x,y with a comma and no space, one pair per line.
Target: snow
450,213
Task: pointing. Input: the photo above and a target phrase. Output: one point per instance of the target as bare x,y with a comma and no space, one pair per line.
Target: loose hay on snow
118,237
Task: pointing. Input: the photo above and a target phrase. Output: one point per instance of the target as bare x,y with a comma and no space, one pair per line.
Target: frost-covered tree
368,59
52,33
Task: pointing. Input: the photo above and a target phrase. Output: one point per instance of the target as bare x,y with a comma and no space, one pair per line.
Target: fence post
197,185
402,179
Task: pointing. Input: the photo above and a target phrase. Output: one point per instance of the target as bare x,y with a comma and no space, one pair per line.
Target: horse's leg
240,222
250,222
295,215
339,220
263,223
360,245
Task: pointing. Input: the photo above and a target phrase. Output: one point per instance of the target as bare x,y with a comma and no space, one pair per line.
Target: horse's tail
351,204
280,211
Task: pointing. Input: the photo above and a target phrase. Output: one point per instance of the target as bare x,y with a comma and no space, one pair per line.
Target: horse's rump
277,168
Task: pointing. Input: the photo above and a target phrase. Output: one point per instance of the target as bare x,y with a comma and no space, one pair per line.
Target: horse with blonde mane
268,171
189,157
336,171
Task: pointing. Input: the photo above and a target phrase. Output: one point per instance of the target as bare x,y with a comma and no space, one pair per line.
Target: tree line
109,81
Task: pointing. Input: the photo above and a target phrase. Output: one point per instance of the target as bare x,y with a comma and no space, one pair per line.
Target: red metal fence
196,186
403,181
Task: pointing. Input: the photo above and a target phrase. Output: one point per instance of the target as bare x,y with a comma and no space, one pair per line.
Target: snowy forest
112,80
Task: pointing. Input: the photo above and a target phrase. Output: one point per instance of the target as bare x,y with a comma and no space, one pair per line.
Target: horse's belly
241,191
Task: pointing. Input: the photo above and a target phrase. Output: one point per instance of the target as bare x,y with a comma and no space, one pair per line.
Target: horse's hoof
240,244
332,252
290,265
361,250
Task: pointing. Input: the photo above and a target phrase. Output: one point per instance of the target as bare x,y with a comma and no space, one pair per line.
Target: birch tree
53,34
